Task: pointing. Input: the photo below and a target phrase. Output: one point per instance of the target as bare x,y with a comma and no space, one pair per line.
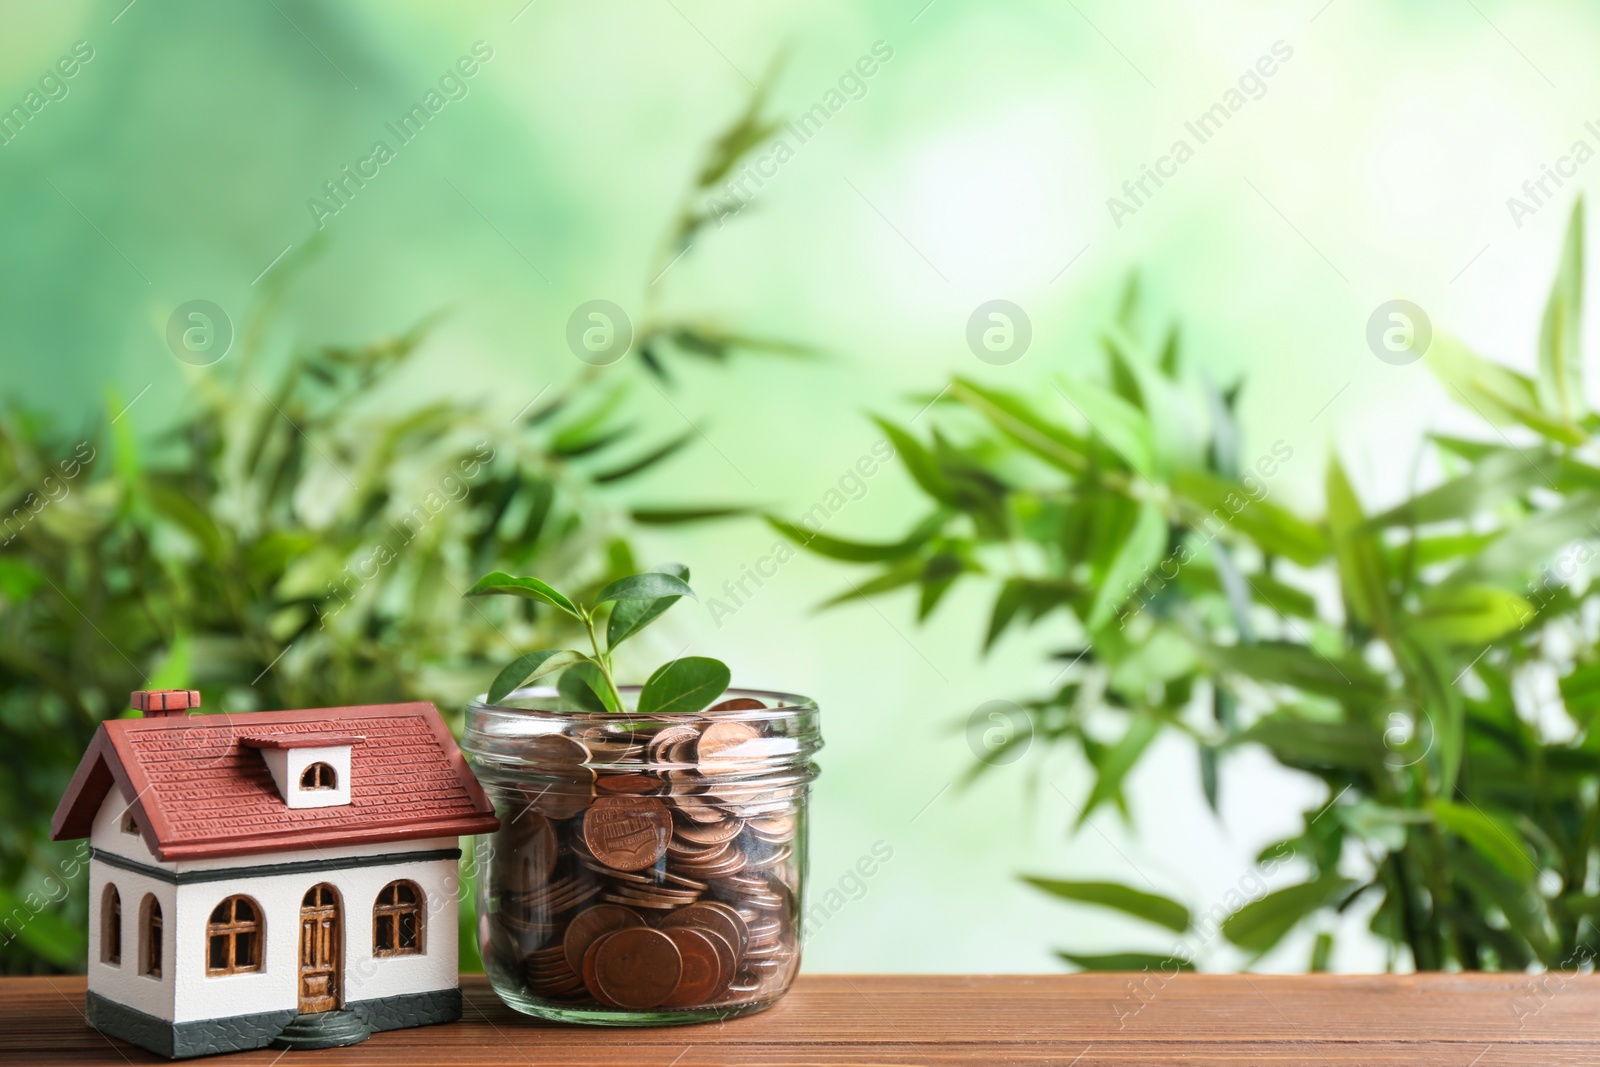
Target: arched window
319,776
397,920
150,938
111,926
233,937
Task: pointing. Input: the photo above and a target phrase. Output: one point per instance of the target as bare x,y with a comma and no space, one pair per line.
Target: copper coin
697,809
564,798
657,905
526,847
709,833
591,979
590,925
555,750
702,967
724,746
773,829
661,745
727,956
739,704
634,784
638,968
627,833
718,918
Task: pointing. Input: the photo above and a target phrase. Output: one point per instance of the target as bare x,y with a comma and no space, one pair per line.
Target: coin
702,967
638,968
591,924
636,784
555,750
661,745
697,809
591,979
627,833
727,960
709,833
739,704
528,844
774,827
716,917
725,746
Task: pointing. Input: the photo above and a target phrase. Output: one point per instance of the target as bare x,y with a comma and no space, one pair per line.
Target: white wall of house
185,992
124,982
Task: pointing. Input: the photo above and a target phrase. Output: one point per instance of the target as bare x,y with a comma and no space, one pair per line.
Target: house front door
320,940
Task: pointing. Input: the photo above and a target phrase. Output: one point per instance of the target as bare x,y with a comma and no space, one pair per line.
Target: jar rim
544,702
496,733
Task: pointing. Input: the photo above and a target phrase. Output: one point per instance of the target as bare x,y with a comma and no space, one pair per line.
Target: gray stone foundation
414,1009
208,1037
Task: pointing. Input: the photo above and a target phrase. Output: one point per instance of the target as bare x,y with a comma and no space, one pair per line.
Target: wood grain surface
1080,1020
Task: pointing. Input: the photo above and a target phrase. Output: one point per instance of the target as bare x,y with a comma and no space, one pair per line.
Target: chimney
164,703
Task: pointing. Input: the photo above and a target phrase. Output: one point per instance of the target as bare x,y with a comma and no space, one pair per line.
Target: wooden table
933,1020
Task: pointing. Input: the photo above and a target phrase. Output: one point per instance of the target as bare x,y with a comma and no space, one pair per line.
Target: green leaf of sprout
650,585
583,686
503,584
524,669
631,615
684,685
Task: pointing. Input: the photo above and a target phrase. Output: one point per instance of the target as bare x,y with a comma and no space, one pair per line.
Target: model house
283,877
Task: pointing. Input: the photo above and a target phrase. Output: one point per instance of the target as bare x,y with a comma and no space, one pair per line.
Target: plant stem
601,659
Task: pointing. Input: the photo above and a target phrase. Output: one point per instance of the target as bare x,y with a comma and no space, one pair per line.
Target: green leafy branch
1122,514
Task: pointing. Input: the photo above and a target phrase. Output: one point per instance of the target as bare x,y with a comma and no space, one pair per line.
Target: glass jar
649,869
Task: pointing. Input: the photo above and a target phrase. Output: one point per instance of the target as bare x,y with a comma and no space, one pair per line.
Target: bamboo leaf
678,516
648,460
1494,837
1029,597
1522,549
1054,444
919,463
1150,907
1218,504
861,551
1492,481
1495,393
1261,924
1137,556
1560,382
1120,424
1125,961
1112,768
1362,574
1343,677
1471,614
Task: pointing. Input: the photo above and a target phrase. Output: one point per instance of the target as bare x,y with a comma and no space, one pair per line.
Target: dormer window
310,770
319,776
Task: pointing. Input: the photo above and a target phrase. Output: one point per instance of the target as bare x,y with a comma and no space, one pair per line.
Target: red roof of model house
202,787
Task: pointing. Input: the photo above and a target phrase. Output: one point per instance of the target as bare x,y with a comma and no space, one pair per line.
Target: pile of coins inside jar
652,869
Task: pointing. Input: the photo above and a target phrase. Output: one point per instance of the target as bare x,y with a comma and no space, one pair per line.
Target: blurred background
617,152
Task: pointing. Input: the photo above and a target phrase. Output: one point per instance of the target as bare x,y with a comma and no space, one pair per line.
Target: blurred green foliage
1436,664
301,534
